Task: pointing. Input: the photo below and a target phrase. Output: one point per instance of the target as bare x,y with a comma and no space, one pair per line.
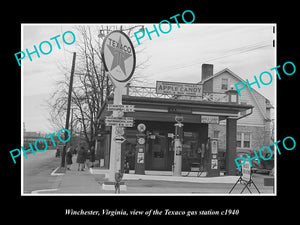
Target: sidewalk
77,182
168,176
89,182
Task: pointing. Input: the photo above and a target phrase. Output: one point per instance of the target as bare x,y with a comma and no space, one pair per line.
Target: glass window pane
246,144
246,137
216,134
224,84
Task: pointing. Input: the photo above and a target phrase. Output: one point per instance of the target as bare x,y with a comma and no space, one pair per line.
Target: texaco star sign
118,56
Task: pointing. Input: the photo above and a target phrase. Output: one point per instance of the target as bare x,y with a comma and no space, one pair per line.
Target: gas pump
140,150
213,168
178,138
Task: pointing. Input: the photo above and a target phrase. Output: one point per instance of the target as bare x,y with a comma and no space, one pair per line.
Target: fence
150,92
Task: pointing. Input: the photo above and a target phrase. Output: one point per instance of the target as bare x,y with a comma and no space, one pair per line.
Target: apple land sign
118,56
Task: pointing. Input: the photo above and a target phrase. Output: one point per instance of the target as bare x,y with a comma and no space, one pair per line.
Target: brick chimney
207,71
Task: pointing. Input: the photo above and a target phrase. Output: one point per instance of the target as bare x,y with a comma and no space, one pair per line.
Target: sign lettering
209,119
246,170
118,56
124,108
176,88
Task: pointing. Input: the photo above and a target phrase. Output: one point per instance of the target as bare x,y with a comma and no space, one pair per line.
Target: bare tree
91,85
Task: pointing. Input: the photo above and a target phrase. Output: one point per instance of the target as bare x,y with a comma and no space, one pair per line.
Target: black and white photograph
150,109
125,114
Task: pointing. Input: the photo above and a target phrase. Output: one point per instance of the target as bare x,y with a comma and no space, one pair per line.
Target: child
118,178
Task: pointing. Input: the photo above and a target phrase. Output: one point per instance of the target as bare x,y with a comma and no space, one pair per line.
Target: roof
181,106
251,93
167,101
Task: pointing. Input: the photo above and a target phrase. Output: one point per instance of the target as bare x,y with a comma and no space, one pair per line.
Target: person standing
118,179
87,159
75,150
81,157
69,158
92,156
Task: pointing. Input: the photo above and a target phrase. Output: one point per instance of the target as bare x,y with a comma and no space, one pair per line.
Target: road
37,171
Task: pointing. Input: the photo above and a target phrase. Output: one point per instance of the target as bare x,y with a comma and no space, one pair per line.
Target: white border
275,114
22,115
166,194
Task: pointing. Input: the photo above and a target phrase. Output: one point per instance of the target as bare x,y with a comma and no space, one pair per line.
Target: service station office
160,108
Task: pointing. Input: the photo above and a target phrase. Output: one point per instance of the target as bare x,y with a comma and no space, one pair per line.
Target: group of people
85,157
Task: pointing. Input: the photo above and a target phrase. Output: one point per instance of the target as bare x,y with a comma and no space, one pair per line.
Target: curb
43,190
110,186
56,174
225,179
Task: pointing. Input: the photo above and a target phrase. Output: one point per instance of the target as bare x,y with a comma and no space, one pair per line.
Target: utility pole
63,155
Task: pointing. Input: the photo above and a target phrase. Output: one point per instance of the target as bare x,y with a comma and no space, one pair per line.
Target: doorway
159,153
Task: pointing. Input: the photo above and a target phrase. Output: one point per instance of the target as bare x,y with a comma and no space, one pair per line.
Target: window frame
242,140
224,83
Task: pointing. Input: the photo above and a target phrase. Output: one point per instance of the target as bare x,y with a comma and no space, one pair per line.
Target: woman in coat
81,157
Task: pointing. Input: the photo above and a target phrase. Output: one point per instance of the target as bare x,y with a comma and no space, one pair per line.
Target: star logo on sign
119,56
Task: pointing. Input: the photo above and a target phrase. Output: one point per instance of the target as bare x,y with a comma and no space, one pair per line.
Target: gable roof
251,92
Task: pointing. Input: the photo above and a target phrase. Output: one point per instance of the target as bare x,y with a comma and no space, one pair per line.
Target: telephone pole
63,155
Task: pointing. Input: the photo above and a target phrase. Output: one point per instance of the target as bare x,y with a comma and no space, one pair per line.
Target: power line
63,48
241,50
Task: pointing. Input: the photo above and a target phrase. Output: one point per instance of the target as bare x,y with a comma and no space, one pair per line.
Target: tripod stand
246,183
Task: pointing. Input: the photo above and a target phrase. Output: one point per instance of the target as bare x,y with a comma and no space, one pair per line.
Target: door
158,152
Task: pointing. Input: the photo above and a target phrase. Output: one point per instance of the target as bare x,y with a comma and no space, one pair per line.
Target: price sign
124,108
246,171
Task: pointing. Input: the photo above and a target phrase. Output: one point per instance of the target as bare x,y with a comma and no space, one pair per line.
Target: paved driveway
37,171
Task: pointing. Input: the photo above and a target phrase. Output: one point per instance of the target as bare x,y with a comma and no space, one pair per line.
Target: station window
246,140
216,133
224,84
243,140
190,144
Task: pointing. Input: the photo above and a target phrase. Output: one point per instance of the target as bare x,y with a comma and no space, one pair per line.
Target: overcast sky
245,49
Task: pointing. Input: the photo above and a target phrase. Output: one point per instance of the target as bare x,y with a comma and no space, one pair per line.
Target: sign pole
115,147
119,61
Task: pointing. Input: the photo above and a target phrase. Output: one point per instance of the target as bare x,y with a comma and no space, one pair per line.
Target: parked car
264,167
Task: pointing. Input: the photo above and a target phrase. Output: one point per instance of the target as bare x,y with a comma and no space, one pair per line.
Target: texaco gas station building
169,126
159,112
